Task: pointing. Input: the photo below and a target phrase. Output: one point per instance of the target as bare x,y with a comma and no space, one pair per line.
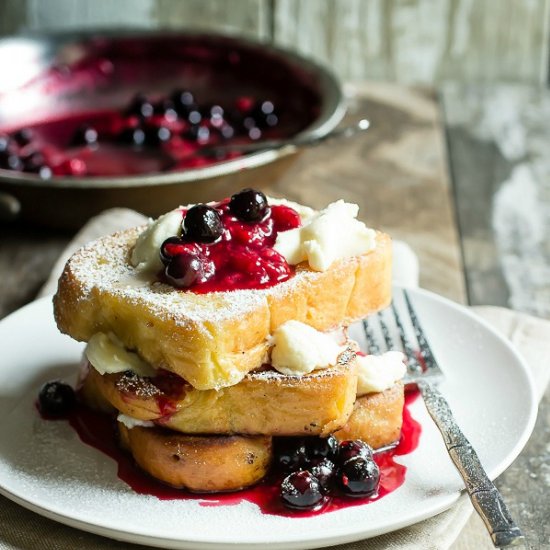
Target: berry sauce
85,118
243,257
98,431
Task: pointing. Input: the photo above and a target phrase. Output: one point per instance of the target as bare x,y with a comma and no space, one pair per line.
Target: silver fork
424,372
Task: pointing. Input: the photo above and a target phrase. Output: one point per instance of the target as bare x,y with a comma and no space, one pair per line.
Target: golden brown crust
211,340
262,403
377,418
214,463
198,463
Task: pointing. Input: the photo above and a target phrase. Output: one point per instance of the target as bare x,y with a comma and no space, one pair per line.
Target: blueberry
291,454
85,135
183,101
301,491
171,247
254,133
267,108
11,162
23,136
249,123
264,114
140,106
33,162
184,270
167,109
324,471
7,145
198,133
45,172
214,114
157,135
321,447
351,449
56,399
249,205
132,136
227,131
202,224
271,120
216,111
194,116
359,477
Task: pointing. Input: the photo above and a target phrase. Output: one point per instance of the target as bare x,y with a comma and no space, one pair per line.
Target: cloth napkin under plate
23,530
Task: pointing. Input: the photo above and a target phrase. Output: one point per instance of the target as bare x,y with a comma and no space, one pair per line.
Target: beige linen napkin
24,530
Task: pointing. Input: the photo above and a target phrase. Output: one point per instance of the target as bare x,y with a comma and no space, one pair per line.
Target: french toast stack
220,327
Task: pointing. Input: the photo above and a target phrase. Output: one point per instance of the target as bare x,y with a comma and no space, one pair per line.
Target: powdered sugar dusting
104,266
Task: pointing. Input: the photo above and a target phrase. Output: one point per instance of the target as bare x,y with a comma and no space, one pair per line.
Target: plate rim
338,536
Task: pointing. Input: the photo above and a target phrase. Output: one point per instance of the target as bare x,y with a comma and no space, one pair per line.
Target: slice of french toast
214,463
211,340
211,463
264,402
204,464
376,418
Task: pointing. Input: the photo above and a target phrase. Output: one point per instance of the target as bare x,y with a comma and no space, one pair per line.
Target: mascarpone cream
299,349
107,355
379,372
131,422
326,236
145,255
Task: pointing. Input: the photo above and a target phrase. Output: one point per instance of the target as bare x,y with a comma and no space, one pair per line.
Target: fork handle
482,492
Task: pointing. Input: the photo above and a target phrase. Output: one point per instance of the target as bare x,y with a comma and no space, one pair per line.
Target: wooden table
398,173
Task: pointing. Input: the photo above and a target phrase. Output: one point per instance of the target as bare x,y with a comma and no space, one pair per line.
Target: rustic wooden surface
410,41
396,173
498,138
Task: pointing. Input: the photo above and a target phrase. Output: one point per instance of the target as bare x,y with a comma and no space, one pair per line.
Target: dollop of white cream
328,235
379,372
299,349
131,422
107,355
146,252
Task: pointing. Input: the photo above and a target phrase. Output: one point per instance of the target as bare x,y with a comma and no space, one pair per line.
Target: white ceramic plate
46,468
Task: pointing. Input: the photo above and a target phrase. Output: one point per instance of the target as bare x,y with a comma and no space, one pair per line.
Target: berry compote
147,135
227,246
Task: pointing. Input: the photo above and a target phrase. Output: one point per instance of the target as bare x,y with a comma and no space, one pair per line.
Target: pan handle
10,207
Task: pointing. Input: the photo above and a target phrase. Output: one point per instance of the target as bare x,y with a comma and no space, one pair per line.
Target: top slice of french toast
210,339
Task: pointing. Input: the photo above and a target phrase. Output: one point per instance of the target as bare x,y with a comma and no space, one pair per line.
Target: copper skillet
50,79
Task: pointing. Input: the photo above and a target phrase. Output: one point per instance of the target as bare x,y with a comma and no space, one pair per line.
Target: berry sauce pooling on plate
218,251
96,429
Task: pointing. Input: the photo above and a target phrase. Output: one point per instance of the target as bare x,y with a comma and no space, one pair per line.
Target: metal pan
51,81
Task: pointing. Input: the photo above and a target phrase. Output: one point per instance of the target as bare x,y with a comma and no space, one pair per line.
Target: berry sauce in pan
89,117
98,431
122,143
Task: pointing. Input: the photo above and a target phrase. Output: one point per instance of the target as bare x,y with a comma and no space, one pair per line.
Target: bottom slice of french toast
201,464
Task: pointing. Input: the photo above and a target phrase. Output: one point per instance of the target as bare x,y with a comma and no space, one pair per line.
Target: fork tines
424,348
388,331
